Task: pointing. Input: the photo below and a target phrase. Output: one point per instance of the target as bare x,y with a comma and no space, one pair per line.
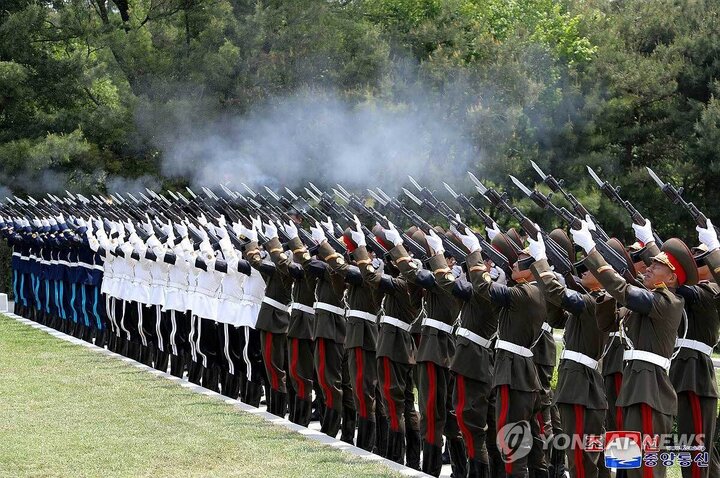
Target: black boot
278,403
147,355
331,422
478,469
177,365
458,457
161,360
133,350
348,425
231,385
538,473
432,459
382,428
557,464
210,379
252,394
195,372
302,412
413,443
366,434
396,447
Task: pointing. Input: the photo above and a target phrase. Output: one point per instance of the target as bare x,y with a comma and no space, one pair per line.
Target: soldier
361,338
300,331
579,395
646,396
395,345
329,333
521,312
274,317
435,350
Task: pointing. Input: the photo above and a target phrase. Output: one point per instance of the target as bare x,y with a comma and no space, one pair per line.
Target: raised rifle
616,261
556,186
675,196
614,194
556,254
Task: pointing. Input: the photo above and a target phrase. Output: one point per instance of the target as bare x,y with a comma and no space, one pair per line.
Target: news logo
623,450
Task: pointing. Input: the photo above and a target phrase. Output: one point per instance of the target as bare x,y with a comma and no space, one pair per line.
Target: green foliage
616,85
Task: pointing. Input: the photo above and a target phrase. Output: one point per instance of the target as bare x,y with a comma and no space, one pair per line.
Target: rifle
365,212
556,254
614,194
305,236
616,261
557,187
487,250
675,196
467,206
393,206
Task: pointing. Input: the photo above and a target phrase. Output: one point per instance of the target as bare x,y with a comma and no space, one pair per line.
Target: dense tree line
616,85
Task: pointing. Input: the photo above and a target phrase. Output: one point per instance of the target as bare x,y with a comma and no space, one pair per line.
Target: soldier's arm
252,255
554,291
634,298
713,262
483,284
337,264
373,278
437,276
278,256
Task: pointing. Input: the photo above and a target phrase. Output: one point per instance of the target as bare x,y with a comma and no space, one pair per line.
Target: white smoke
119,184
320,137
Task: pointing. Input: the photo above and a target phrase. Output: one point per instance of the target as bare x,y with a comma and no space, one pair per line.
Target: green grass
67,411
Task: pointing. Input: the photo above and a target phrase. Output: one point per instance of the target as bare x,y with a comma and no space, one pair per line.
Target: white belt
473,337
695,345
202,290
579,358
645,356
386,319
546,327
362,315
17,254
330,308
436,324
276,304
514,348
615,334
303,308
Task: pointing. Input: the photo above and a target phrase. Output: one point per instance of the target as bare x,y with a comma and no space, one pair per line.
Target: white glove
469,240
708,236
167,229
60,218
220,232
182,230
494,272
290,229
36,222
202,219
644,233
590,223
89,224
147,226
317,233
328,225
271,230
256,223
129,227
44,222
80,222
357,235
52,221
392,234
492,231
583,238
434,242
221,221
251,233
537,248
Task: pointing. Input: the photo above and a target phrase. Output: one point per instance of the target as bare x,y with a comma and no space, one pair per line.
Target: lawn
67,411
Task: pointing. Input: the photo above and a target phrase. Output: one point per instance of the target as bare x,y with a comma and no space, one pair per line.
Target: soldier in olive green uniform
273,318
580,390
361,337
472,367
299,336
330,358
436,346
521,311
647,396
395,347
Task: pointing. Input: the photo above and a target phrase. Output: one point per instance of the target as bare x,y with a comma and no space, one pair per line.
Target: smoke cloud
319,137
